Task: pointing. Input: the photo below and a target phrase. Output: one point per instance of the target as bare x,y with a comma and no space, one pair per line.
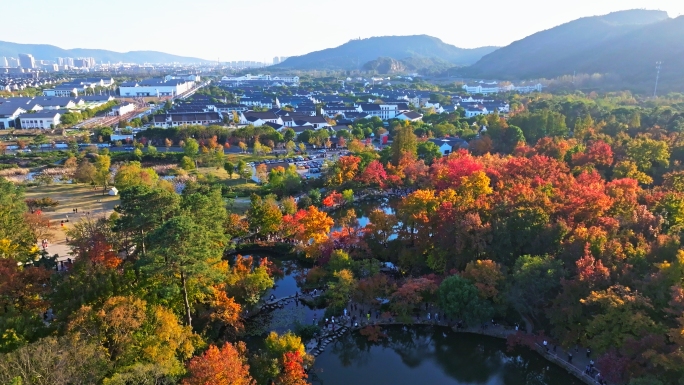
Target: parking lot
307,166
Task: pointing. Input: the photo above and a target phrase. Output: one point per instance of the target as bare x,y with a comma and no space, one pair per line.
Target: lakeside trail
555,353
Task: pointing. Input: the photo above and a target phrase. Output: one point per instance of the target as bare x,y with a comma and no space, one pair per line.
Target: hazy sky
262,29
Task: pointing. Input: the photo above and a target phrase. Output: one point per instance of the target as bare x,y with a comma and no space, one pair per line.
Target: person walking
570,357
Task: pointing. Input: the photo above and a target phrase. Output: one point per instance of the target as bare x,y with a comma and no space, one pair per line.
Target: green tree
16,239
428,151
405,141
264,215
39,140
536,281
102,173
460,298
646,153
143,209
230,169
191,148
183,254
187,163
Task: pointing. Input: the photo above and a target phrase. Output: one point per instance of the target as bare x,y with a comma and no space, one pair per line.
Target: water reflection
424,355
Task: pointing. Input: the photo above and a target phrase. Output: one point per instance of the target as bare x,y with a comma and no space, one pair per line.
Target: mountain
50,52
355,53
388,65
626,44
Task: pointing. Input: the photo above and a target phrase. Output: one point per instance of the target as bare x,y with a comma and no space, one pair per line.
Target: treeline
148,297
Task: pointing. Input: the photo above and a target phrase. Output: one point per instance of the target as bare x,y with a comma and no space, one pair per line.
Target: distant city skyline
247,30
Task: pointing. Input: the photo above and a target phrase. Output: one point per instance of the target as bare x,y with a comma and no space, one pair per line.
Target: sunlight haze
261,29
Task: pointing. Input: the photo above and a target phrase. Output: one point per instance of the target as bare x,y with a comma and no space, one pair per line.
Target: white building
61,91
42,119
494,88
383,111
410,116
123,109
156,87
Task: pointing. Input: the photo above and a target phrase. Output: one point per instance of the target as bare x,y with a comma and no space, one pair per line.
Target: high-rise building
3,62
13,62
26,61
276,60
59,61
69,61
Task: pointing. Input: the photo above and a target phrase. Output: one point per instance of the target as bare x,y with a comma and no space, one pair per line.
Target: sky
258,30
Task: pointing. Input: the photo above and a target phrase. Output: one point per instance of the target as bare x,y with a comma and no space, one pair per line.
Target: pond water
363,209
427,355
408,355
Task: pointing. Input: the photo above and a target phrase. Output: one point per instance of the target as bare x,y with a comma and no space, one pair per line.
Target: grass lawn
71,196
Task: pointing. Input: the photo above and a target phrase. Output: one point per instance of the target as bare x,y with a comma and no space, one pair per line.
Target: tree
227,365
264,216
85,172
230,169
536,281
65,360
646,153
428,151
247,283
16,238
293,371
344,170
405,141
168,143
243,170
39,140
460,298
341,289
102,173
144,342
486,275
373,175
621,315
191,148
137,219
132,173
184,253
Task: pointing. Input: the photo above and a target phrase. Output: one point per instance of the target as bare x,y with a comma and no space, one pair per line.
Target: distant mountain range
355,54
50,52
627,44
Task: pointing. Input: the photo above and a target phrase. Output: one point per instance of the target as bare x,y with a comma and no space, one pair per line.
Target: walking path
579,362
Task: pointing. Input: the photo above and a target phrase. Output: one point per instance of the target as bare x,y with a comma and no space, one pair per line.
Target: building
42,119
382,111
9,112
185,119
494,88
410,116
449,145
26,61
258,119
156,87
123,109
4,62
61,91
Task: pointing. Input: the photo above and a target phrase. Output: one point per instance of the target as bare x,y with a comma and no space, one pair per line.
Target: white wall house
410,116
494,88
155,87
9,115
123,109
42,120
383,111
475,111
61,92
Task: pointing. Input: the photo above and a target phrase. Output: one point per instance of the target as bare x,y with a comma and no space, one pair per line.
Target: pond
363,209
428,355
409,355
